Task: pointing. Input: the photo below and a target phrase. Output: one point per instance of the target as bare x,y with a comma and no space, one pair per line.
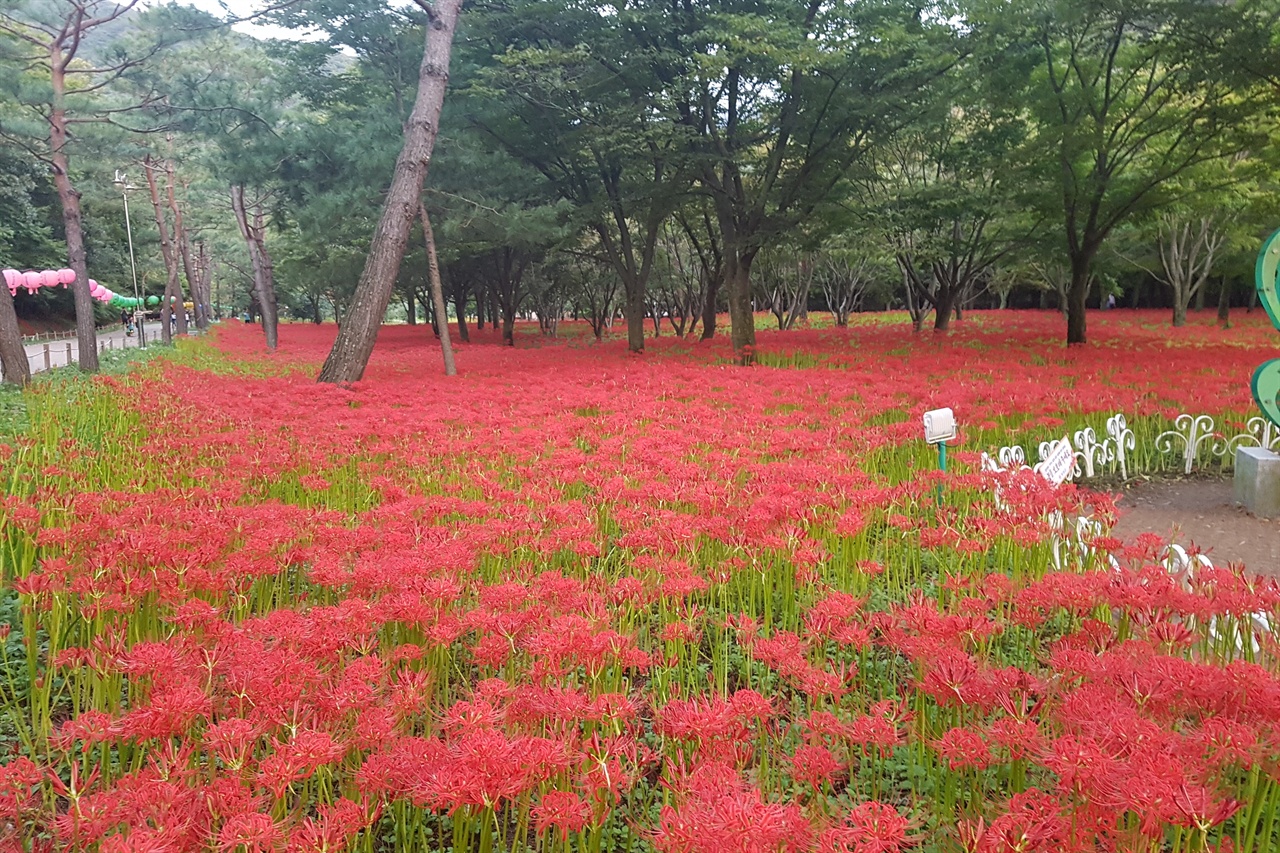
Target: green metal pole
942,464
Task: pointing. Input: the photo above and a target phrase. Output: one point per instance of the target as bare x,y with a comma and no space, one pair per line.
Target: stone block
1257,481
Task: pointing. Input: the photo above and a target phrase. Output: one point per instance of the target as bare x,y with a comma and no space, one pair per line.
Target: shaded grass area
13,399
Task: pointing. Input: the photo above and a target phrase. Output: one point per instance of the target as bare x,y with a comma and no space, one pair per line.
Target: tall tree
55,34
169,251
945,192
25,241
13,356
350,354
250,219
183,248
437,293
234,117
1188,249
1127,95
782,99
572,97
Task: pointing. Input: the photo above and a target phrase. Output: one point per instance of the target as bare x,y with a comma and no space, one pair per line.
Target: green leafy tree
783,98
64,79
945,192
569,90
1126,95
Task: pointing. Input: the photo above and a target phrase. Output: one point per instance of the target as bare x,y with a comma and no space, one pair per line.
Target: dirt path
1204,513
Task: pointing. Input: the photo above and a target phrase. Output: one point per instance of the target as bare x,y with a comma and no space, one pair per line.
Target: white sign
939,426
1059,463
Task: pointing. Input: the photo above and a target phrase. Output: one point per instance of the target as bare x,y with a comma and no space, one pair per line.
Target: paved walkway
65,351
1202,512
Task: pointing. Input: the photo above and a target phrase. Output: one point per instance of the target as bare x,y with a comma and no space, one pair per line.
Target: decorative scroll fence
1191,444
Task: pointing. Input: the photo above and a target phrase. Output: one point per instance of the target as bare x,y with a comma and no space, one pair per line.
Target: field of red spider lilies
579,600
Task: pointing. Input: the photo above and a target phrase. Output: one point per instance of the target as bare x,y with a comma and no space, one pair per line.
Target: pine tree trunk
13,356
184,253
267,289
264,289
203,297
437,293
172,290
350,354
460,308
506,308
72,221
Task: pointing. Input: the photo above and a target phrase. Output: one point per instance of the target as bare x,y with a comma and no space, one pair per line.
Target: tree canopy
636,159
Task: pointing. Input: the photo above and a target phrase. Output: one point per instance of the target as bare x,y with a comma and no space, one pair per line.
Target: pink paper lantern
50,278
12,280
32,281
66,276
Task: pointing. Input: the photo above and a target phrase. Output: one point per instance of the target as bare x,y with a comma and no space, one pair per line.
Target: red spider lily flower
1197,807
478,768
813,765
1084,769
609,765
140,840
231,741
952,679
1032,823
19,779
1020,737
331,830
1225,743
250,833
91,727
879,731
836,617
227,795
735,818
963,749
870,827
714,718
561,811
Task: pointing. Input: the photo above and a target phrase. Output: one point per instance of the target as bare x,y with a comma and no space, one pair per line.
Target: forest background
649,164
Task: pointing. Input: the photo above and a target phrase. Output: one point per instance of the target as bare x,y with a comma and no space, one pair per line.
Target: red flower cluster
581,600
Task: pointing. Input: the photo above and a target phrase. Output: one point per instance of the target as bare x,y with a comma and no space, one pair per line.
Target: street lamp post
122,182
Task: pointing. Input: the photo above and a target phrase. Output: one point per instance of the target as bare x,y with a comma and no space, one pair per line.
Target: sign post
939,428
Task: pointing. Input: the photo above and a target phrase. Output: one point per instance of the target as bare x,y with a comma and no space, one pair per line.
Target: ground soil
1204,513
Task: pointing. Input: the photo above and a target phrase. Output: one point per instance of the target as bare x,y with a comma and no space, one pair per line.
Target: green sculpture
1266,379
